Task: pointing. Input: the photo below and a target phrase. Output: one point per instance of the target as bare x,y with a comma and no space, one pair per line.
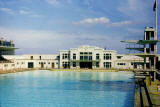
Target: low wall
14,70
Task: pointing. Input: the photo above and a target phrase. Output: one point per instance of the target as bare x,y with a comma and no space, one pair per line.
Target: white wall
127,60
21,61
94,51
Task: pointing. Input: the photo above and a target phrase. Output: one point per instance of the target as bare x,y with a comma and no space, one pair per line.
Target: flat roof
141,42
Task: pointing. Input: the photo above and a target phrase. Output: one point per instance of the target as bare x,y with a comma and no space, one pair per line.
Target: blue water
67,89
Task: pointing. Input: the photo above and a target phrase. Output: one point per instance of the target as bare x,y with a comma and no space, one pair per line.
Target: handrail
148,96
140,92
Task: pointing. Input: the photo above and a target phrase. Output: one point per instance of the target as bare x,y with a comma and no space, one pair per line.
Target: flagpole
156,15
155,46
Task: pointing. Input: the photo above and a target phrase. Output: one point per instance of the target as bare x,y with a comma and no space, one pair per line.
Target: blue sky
47,26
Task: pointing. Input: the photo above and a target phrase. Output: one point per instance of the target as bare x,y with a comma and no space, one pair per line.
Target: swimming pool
67,89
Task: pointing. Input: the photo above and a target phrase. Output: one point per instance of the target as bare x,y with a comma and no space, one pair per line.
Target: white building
97,58
32,61
88,57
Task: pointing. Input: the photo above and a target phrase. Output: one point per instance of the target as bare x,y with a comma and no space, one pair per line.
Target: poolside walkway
154,94
147,95
14,71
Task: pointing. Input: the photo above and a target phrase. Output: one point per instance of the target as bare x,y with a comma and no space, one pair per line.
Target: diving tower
6,48
147,47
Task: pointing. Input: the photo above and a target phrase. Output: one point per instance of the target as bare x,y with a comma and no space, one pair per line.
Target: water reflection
94,76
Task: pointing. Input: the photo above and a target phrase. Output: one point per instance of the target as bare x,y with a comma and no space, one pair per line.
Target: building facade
83,57
87,57
92,57
32,61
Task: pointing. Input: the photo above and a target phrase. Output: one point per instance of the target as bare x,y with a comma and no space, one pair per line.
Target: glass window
65,56
85,53
121,64
90,57
97,56
118,57
66,64
74,64
107,57
74,56
90,53
97,64
81,57
107,65
85,57
110,56
81,53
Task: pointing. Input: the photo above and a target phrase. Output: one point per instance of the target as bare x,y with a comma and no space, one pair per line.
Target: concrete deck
154,94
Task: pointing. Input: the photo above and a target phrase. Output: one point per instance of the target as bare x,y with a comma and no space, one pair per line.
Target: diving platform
6,48
138,49
144,70
130,41
141,42
144,55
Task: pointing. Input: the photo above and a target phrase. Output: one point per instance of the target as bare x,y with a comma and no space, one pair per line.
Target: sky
48,26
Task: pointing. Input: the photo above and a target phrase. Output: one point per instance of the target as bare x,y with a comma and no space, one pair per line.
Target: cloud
24,12
122,23
50,42
102,20
59,3
7,10
52,2
29,13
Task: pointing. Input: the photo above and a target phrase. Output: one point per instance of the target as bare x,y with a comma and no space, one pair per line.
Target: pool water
67,89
